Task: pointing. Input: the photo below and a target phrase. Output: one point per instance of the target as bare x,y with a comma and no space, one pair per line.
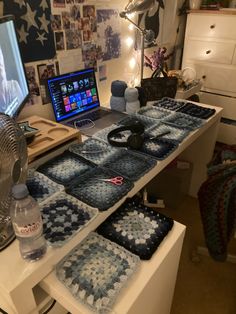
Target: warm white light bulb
131,27
132,63
129,41
131,15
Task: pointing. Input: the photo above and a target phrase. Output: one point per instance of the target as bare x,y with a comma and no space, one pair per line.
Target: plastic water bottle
27,223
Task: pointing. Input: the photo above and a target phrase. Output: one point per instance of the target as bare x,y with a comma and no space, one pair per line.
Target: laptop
75,101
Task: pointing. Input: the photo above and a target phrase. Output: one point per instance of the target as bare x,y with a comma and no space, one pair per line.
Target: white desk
151,289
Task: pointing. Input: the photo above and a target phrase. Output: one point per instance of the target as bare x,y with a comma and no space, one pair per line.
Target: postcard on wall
70,61
33,86
109,33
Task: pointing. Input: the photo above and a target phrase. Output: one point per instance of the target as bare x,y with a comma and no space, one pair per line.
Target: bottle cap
20,191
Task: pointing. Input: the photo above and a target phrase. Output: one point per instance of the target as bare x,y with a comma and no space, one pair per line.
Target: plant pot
195,4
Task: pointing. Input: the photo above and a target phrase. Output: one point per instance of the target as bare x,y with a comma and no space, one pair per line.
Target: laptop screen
73,93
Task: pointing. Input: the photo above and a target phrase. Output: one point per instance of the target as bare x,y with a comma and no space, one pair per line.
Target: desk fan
13,170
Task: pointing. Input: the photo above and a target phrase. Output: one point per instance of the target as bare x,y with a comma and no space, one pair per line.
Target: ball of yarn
117,103
118,88
131,94
132,106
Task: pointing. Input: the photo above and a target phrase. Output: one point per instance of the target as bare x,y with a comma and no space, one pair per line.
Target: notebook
75,101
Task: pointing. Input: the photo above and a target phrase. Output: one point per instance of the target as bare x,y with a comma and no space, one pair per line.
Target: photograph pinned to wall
109,33
73,39
90,13
65,19
151,20
89,55
59,3
59,40
56,22
34,97
75,12
102,72
87,36
69,61
89,51
46,71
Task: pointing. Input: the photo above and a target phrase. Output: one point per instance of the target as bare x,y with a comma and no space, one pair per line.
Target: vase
195,4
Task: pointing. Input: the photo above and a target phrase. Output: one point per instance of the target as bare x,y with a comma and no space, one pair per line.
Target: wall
116,68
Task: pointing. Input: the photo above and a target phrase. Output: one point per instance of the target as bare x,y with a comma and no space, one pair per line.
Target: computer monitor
14,90
73,93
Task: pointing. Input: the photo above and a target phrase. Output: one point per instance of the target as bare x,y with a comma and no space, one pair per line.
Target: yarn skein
117,100
117,103
132,101
118,88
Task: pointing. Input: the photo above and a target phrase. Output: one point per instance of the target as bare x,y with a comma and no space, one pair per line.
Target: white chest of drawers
210,49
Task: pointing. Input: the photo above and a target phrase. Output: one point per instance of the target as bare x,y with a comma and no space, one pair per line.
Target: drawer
227,134
212,26
209,51
215,78
227,103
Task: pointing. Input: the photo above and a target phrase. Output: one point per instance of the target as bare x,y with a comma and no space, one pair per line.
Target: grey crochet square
64,216
94,150
65,168
41,187
129,164
96,270
91,188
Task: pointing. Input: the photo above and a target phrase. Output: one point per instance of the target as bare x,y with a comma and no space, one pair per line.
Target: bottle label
28,230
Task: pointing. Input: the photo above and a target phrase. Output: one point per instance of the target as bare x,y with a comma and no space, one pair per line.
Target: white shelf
18,277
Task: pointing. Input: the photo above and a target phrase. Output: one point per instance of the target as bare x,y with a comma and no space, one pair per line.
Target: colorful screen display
73,93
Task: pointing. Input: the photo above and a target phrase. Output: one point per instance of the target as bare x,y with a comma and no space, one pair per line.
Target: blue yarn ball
117,103
118,88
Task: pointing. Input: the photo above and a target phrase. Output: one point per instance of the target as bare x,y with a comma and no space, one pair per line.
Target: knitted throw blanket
217,201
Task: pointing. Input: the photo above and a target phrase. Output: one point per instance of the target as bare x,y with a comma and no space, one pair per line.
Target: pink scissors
115,180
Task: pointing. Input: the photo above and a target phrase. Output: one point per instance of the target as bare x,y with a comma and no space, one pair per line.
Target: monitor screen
14,89
73,93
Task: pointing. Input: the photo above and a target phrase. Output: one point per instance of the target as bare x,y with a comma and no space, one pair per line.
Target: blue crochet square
169,103
147,122
96,270
197,110
91,188
183,120
94,150
65,168
130,164
41,187
158,148
168,132
137,228
102,134
64,216
154,112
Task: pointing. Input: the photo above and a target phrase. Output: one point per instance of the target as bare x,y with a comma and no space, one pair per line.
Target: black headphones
135,140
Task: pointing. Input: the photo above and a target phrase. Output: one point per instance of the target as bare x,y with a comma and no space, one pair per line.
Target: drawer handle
212,26
204,76
208,51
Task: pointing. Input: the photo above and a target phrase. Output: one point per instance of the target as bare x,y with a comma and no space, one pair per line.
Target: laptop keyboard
90,116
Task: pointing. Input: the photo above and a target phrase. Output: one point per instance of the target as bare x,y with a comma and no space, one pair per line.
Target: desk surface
17,274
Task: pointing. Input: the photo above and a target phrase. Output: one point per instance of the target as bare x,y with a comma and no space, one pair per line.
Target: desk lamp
140,6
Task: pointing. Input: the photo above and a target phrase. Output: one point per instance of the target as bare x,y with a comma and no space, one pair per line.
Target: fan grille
13,160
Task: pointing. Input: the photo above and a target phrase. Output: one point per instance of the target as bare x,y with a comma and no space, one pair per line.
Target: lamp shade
139,6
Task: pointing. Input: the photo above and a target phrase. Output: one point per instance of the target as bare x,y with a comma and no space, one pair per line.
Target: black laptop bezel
77,114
